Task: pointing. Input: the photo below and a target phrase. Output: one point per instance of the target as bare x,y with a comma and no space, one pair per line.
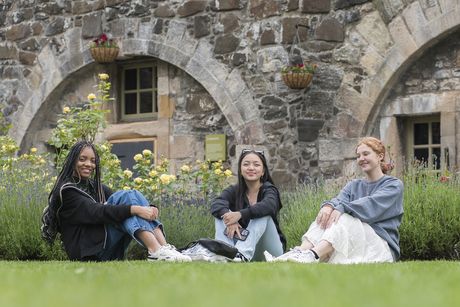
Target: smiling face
86,163
368,160
252,168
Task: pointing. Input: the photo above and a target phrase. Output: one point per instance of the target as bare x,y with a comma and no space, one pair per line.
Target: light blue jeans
263,236
119,235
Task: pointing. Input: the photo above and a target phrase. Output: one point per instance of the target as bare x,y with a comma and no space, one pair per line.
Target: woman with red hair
361,224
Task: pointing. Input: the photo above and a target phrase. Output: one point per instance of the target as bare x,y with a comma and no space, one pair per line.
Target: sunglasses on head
260,152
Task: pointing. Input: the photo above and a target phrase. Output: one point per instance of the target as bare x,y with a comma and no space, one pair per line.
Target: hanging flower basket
104,49
104,54
298,76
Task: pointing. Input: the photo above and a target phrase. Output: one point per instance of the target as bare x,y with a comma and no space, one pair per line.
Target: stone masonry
220,62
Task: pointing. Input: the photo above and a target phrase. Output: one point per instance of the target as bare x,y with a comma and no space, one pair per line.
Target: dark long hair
242,186
68,171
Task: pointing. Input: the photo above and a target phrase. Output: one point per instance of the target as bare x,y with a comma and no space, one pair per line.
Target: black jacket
82,221
268,203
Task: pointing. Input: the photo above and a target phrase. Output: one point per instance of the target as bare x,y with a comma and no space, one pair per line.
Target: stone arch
226,87
413,33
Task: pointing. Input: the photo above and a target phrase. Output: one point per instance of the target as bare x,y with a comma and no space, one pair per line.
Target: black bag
216,246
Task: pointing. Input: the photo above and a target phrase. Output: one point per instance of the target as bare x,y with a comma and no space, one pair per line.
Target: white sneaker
284,257
199,253
302,256
168,253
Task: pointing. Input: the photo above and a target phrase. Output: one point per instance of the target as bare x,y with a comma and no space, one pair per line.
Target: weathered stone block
308,129
267,37
341,4
18,32
315,6
199,103
55,27
226,43
201,26
225,5
238,59
319,46
92,25
80,7
164,11
230,22
27,58
388,8
289,29
278,112
8,52
373,29
292,5
191,7
264,8
29,45
330,30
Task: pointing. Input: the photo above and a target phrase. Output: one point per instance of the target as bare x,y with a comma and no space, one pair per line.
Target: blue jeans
263,236
119,235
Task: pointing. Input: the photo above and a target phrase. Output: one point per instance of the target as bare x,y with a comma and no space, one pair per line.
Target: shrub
22,198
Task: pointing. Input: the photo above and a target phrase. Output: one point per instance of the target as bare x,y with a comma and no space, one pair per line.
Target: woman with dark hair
246,214
361,224
96,224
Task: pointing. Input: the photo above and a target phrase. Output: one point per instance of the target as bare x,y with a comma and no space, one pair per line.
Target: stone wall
234,50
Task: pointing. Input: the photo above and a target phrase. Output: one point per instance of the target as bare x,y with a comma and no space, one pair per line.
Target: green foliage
431,223
22,198
300,207
81,123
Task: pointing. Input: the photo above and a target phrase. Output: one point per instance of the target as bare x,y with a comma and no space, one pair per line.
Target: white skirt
353,241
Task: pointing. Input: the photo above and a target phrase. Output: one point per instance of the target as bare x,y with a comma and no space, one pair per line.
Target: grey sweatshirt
378,203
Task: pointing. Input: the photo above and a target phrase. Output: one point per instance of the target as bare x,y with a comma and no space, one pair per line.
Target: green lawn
142,283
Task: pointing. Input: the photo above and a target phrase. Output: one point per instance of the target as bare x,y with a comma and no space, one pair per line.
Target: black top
82,220
268,203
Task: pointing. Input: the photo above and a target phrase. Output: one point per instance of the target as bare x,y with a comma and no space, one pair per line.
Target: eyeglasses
260,152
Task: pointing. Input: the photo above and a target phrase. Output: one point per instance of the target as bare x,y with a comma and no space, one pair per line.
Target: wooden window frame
139,116
410,147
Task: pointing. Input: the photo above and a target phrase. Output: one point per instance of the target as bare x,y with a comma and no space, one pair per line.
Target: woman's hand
333,218
147,213
323,215
231,218
233,230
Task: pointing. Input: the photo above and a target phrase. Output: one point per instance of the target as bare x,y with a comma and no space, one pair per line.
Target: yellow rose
146,153
218,171
126,188
138,180
128,173
172,178
33,150
91,96
42,161
228,173
165,179
185,168
153,173
138,157
66,110
104,148
103,77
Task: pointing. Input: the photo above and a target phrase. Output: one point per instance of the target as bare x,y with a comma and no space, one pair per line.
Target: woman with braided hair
96,224
360,224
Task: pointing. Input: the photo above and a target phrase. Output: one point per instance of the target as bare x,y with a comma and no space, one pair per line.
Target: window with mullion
139,91
425,144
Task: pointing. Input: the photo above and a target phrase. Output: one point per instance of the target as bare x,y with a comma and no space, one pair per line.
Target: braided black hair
50,216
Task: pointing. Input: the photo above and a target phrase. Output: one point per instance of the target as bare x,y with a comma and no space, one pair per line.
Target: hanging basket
104,54
297,80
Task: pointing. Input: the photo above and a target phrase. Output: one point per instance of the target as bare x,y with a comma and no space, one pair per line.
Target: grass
140,283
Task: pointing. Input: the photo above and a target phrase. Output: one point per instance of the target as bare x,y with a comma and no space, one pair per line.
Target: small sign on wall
216,147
